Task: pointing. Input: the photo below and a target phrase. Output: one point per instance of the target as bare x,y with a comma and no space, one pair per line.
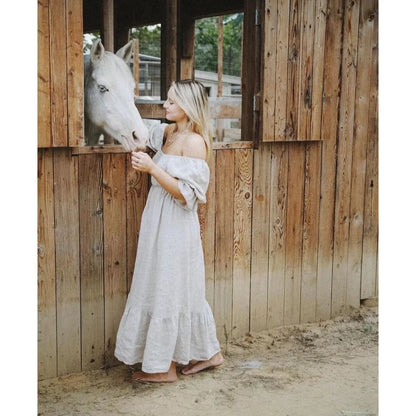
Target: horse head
109,98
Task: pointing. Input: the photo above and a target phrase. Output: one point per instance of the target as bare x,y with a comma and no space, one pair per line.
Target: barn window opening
146,61
218,63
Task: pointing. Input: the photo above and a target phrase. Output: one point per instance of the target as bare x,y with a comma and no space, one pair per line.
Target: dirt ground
324,369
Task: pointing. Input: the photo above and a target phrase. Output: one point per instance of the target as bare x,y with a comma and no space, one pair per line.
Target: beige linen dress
167,317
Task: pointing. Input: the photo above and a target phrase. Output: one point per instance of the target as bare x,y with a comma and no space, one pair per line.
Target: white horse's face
109,97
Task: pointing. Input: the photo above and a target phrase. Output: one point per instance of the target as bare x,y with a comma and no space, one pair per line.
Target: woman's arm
144,163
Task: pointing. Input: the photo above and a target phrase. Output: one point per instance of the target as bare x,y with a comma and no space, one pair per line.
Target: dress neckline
186,157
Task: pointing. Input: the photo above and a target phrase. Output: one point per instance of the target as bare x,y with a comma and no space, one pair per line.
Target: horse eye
102,88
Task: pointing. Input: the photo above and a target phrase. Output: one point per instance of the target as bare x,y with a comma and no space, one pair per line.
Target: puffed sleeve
156,131
193,180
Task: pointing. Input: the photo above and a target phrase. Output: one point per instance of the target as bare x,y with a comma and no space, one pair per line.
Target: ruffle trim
155,342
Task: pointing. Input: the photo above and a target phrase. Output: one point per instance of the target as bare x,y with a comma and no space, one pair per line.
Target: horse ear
97,50
125,52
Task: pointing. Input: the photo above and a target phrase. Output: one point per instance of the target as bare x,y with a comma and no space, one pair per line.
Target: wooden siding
290,229
60,73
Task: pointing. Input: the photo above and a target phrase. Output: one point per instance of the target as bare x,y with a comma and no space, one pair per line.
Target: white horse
109,99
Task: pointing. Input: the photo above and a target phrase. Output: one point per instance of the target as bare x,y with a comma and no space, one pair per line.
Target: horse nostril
135,137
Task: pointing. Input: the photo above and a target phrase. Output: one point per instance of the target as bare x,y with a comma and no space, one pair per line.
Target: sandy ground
324,369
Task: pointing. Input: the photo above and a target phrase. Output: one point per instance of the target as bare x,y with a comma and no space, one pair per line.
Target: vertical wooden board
224,213
310,232
137,190
294,222
370,234
169,46
277,235
359,151
260,238
108,25
249,70
344,156
281,66
318,68
75,70
47,366
307,34
242,241
115,279
292,104
67,261
91,257
59,94
207,220
332,64
44,93
269,62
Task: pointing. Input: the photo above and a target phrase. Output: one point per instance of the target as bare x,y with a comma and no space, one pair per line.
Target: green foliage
149,39
206,44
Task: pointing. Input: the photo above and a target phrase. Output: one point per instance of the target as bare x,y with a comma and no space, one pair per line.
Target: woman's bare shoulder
194,146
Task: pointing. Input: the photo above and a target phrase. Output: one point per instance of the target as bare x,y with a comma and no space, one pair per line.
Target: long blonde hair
192,97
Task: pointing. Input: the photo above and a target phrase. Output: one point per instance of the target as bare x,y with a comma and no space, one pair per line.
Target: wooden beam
108,25
169,35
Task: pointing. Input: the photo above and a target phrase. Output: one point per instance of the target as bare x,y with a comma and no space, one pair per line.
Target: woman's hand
142,161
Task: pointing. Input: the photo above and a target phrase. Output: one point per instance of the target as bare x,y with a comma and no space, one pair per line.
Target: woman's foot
214,361
169,377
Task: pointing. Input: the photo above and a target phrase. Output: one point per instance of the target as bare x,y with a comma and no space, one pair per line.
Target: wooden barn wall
289,230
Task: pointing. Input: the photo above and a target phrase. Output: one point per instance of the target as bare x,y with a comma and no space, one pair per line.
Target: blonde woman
167,320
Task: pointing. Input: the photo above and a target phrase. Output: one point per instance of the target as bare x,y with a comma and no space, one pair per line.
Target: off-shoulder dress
167,317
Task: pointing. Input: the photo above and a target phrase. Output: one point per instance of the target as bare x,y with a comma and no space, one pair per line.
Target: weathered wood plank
359,151
47,364
115,279
332,64
58,68
310,232
281,63
224,233
269,62
277,235
242,241
318,68
307,35
344,156
293,271
370,233
108,25
75,73
260,238
169,72
292,104
44,82
207,220
67,262
91,257
137,190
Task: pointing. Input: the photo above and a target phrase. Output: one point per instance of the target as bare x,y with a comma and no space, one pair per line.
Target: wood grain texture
58,73
47,360
242,241
44,81
91,229
67,258
115,278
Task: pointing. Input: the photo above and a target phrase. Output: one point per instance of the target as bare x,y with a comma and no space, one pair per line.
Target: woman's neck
182,125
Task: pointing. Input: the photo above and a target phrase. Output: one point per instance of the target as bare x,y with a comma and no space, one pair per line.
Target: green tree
206,44
149,39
